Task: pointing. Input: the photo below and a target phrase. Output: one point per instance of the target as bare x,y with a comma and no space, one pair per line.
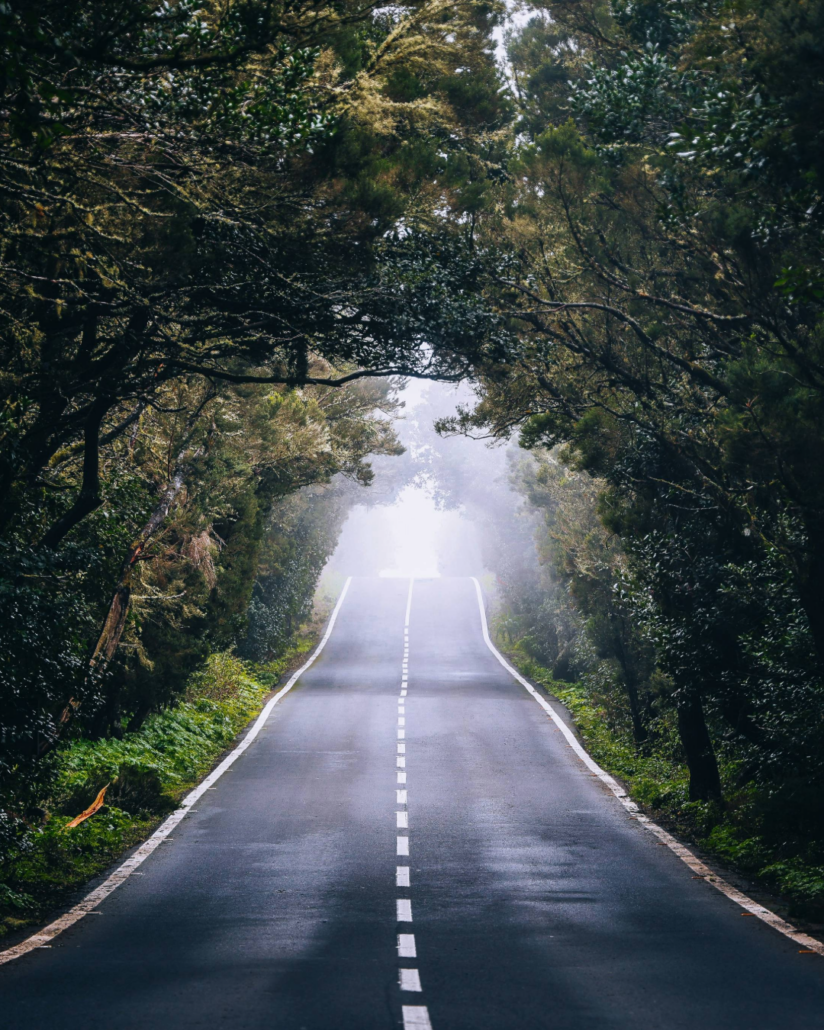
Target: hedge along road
410,841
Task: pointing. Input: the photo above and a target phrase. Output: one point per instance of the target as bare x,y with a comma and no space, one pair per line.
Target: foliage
300,535
196,190
226,227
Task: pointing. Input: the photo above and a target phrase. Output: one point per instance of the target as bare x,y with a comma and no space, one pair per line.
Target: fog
421,517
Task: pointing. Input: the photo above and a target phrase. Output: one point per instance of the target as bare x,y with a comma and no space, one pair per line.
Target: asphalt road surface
528,899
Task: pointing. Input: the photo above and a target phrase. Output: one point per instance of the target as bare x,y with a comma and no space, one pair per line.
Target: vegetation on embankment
741,831
146,772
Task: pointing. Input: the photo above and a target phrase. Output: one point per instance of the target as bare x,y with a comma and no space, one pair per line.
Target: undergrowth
146,774
743,831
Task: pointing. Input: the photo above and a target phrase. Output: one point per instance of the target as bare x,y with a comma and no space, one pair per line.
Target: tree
205,283
197,190
657,253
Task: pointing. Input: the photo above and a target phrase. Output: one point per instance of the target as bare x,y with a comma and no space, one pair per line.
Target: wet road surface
411,842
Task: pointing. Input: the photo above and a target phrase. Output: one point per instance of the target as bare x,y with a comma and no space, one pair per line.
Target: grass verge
147,773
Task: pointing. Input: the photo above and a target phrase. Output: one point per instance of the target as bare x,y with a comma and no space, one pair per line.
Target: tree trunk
65,383
21,466
115,621
89,498
705,783
639,730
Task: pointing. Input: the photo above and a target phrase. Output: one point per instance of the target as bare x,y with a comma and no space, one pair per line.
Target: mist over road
528,897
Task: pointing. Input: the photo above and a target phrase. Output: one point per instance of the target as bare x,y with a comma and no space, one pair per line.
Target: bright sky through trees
414,535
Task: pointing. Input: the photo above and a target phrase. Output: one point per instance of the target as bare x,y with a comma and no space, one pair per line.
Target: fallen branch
95,806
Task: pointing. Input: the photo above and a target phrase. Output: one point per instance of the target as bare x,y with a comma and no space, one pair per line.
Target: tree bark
639,730
60,402
115,621
705,782
20,466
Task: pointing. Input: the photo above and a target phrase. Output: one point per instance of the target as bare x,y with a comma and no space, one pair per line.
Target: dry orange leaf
95,806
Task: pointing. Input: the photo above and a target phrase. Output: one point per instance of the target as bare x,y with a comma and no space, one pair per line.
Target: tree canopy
656,251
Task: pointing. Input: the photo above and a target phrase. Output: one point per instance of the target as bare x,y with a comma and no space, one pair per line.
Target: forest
232,230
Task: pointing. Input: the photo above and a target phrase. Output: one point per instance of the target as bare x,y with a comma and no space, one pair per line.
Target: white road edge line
123,872
686,856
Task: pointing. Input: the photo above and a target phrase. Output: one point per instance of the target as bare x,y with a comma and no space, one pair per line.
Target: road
281,901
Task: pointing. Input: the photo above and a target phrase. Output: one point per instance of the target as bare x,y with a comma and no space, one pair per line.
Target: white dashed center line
410,980
416,1017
